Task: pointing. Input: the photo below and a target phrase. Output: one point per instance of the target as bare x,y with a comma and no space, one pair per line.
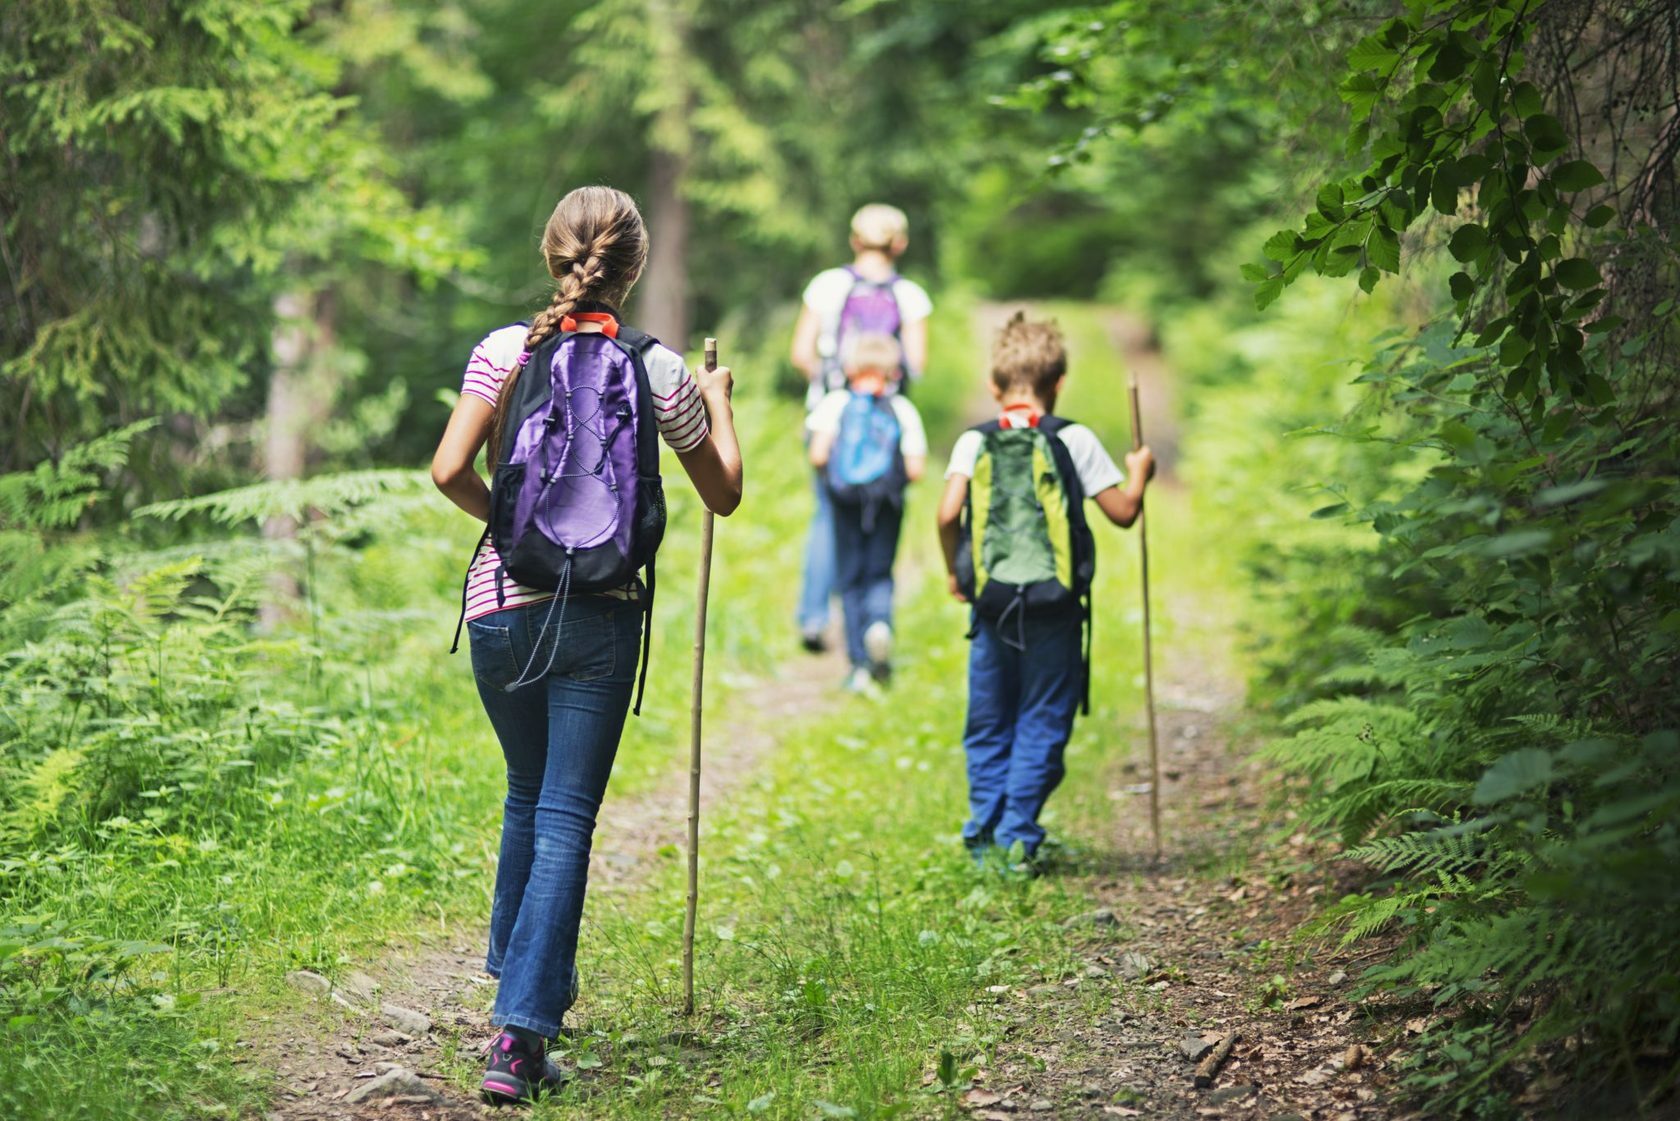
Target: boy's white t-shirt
912,436
1096,469
826,295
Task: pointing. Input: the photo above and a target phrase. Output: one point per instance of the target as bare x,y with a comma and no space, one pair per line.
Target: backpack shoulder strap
1052,427
532,392
635,340
636,344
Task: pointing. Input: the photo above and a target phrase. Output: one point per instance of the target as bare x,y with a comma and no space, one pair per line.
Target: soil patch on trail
375,1043
1177,956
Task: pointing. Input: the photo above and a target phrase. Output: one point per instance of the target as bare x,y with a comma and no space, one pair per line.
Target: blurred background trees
1434,239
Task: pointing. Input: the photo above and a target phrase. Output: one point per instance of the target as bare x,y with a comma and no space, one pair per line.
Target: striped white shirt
677,408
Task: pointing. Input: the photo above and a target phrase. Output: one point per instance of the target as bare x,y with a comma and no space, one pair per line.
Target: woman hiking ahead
572,408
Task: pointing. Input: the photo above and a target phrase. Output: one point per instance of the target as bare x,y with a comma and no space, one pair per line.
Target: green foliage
1442,103
1467,586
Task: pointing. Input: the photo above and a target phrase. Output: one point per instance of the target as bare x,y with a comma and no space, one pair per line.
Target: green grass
308,800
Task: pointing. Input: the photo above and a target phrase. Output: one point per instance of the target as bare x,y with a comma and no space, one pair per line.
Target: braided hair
595,246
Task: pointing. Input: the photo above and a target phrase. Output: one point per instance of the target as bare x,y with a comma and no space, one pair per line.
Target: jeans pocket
493,660
588,647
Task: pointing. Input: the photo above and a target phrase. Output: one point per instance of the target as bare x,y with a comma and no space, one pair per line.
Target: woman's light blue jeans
817,589
559,735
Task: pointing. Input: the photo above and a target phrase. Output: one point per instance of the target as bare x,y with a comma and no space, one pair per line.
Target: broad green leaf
1576,175
1361,91
1526,99
1577,273
1467,242
1546,134
1569,492
1512,775
1372,53
1517,543
1384,249
1282,245
1443,189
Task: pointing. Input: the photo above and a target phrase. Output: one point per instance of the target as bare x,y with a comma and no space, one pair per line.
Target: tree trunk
303,332
664,288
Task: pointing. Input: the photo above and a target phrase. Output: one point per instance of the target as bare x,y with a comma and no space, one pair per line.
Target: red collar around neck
609,323
1019,416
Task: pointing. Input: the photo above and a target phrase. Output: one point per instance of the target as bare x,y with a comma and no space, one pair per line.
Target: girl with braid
559,726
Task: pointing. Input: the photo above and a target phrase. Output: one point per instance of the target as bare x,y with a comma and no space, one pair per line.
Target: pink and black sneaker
519,1070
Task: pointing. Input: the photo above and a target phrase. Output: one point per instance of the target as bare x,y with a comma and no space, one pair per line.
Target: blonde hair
879,226
873,352
1029,355
595,246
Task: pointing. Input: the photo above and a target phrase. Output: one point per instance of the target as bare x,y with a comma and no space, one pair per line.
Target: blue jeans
863,562
818,586
1021,706
559,735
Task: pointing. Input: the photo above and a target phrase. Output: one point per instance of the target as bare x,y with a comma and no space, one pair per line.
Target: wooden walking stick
694,708
1148,654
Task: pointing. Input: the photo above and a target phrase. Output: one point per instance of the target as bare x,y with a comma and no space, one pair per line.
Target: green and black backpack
1024,546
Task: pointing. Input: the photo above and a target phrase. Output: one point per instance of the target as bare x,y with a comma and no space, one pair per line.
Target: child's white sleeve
964,453
1096,468
912,439
825,417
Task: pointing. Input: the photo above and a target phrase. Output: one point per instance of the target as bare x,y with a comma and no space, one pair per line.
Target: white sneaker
861,683
877,640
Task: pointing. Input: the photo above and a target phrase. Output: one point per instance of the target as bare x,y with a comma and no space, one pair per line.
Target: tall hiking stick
694,712
1148,653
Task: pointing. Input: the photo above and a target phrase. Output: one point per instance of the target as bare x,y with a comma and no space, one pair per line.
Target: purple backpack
576,502
870,309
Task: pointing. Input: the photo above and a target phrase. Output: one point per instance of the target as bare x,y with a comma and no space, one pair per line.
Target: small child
1017,548
867,442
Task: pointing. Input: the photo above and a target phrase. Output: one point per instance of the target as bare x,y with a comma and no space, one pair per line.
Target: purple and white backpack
870,309
576,502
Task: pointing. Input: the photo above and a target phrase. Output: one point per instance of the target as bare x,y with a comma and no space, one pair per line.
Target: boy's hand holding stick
1148,659
694,713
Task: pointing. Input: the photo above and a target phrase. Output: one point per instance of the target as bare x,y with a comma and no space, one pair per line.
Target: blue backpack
866,466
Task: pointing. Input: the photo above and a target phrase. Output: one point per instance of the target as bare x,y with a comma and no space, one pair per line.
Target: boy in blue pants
1018,550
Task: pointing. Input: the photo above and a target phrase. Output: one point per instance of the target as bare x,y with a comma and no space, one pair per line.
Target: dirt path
333,1046
1172,957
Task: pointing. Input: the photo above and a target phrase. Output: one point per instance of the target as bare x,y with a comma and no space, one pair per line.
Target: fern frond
56,495
292,498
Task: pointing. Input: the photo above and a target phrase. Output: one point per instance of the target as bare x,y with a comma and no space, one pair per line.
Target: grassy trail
851,961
